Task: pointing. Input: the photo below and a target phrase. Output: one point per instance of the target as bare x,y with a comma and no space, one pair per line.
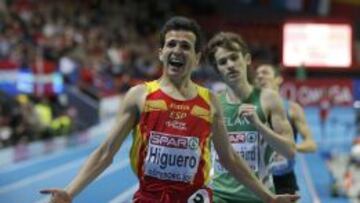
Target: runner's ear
161,56
248,59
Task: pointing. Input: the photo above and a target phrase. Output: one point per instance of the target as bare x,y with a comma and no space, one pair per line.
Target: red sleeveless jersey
171,146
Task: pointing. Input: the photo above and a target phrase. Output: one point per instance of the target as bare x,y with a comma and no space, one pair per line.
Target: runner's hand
249,111
57,195
285,198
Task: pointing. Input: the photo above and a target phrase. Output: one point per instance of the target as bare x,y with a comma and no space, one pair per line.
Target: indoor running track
20,183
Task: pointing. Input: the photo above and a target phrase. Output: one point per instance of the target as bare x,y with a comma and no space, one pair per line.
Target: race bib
246,144
172,157
281,165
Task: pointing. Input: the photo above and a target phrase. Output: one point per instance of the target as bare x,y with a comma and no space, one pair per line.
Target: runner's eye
171,44
221,61
234,57
185,46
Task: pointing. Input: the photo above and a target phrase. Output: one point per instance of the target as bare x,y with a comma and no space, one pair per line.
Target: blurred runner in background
268,76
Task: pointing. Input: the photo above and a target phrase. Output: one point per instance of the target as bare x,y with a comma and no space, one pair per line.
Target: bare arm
229,158
103,156
281,137
297,115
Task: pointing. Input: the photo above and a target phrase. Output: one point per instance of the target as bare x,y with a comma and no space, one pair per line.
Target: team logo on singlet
252,137
176,125
172,157
193,143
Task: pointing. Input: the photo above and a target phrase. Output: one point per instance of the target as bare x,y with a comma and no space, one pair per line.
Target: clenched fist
249,111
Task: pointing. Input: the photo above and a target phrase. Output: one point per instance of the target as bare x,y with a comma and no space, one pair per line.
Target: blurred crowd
96,44
24,119
101,47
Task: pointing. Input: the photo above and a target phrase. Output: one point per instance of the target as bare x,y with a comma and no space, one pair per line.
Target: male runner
172,120
268,76
248,112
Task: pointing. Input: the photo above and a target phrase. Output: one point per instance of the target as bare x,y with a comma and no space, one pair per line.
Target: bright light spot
357,104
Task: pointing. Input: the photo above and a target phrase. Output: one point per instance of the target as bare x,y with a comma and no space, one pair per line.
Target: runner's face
178,53
231,64
265,77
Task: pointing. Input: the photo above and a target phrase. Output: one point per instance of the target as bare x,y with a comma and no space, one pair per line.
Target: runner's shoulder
270,99
268,93
135,96
137,90
296,109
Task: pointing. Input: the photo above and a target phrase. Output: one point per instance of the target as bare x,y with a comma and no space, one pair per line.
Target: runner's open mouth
176,62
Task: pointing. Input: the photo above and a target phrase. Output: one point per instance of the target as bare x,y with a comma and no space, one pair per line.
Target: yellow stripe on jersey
155,105
207,159
135,149
204,93
152,86
201,113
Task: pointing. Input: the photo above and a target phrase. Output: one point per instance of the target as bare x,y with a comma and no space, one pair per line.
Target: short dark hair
185,24
275,68
227,40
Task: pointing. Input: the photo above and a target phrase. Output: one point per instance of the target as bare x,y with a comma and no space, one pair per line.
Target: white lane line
44,158
37,160
40,176
308,180
115,167
126,195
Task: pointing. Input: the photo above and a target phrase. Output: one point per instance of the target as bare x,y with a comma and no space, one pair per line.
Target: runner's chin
232,78
176,70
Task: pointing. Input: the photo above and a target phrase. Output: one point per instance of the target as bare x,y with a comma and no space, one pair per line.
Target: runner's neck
239,93
184,90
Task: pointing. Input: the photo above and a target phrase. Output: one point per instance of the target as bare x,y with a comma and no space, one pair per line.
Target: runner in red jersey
171,146
173,120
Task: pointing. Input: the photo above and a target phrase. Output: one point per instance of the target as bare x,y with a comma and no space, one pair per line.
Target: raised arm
297,116
103,156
